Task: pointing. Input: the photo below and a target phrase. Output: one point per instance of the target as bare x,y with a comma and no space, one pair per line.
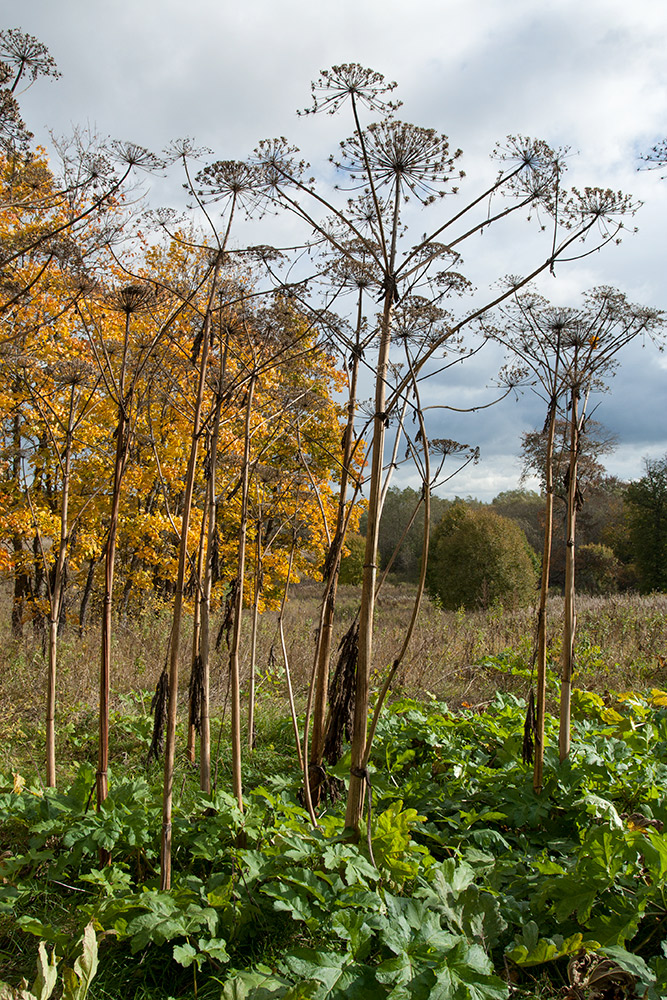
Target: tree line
622,537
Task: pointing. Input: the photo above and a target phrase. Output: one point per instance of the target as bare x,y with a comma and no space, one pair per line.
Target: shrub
352,564
479,558
598,570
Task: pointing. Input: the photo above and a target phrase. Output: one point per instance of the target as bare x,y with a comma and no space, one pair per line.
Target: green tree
646,502
401,506
526,509
478,558
352,565
598,569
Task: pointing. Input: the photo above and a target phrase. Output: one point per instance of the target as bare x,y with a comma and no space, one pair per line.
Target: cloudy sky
588,74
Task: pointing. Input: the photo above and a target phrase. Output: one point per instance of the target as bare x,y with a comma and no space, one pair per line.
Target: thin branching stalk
170,741
123,433
421,584
195,659
327,611
540,708
253,631
364,662
569,610
205,639
283,649
234,652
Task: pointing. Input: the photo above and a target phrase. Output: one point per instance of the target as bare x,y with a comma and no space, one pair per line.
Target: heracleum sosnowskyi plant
533,331
127,364
564,353
203,597
195,685
282,350
357,277
174,638
121,380
391,161
605,324
78,382
234,184
21,54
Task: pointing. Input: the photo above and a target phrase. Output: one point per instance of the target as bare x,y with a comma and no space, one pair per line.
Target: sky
588,75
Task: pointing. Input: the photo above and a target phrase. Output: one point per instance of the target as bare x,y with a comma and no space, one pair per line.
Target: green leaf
537,951
263,984
352,927
22,992
392,842
463,906
45,931
654,851
354,865
185,955
573,893
215,948
291,900
337,975
631,963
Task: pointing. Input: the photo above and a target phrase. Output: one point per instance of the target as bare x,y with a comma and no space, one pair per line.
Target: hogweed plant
391,162
563,354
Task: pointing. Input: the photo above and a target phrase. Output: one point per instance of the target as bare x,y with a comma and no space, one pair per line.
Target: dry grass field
621,644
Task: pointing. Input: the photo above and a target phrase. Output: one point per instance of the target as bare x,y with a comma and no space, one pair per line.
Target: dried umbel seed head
26,54
358,268
226,179
447,446
278,165
15,361
83,284
133,298
418,159
132,155
73,372
351,81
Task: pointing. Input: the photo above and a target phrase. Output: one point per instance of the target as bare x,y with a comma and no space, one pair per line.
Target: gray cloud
590,75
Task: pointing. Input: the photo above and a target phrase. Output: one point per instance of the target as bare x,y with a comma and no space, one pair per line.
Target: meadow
455,656
464,884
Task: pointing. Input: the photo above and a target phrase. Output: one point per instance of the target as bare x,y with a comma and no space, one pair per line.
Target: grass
456,656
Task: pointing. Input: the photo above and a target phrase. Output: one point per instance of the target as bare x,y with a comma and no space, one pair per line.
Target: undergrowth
476,889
